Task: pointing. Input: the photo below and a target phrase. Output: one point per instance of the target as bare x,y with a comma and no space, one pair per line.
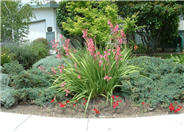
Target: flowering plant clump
94,72
175,107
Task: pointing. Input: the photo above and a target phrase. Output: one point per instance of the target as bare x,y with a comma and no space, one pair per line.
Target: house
43,23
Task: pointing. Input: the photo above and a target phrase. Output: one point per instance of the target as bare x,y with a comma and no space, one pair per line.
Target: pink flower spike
61,36
116,28
66,46
58,56
109,78
110,24
85,32
67,92
63,84
123,34
78,76
53,70
106,77
120,41
100,62
60,70
75,65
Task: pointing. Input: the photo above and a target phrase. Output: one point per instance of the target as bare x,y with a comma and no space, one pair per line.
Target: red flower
113,97
74,105
178,109
85,101
115,104
117,96
61,105
96,111
52,101
68,101
142,103
171,107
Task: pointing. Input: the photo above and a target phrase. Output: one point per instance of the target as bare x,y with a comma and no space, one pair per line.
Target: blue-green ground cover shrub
4,79
31,79
49,62
6,98
159,82
38,96
12,68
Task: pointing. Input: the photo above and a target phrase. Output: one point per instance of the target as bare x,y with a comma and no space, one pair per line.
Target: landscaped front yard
99,76
90,81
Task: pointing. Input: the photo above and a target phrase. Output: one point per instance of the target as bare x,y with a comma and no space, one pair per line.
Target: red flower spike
142,103
113,97
52,101
68,101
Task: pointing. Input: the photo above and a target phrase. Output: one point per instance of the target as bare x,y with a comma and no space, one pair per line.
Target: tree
160,21
15,18
73,17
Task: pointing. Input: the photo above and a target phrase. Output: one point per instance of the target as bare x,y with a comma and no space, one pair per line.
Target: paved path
10,122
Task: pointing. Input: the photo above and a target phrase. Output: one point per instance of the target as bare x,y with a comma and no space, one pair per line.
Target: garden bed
126,109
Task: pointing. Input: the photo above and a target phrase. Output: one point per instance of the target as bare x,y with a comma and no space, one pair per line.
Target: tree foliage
14,20
160,20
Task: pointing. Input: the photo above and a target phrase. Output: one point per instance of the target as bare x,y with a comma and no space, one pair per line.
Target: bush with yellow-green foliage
73,17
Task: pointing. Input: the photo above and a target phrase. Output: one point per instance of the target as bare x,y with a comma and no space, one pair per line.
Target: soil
125,109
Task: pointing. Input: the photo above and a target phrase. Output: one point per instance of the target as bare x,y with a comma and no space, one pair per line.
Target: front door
50,37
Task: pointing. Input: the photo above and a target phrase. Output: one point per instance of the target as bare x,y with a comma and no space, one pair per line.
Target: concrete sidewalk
10,122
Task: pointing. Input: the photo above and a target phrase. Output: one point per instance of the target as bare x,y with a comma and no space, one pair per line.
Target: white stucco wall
181,25
39,29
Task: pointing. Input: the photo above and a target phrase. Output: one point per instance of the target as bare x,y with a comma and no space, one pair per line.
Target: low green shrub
28,54
178,58
159,82
24,54
31,79
41,40
12,68
49,62
40,49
